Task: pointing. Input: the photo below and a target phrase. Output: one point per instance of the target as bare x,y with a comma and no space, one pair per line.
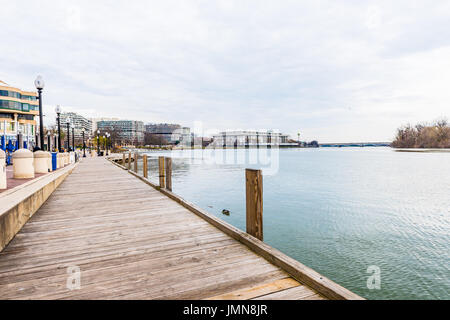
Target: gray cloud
352,70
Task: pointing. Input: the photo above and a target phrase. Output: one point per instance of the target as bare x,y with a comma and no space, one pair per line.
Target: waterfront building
95,120
79,123
171,133
250,138
163,130
125,132
19,110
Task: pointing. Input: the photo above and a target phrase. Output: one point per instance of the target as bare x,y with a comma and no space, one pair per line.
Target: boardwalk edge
297,270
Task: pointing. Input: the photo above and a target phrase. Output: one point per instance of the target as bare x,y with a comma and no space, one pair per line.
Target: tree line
422,135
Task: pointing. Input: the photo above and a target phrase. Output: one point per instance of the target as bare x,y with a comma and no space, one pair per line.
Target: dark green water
339,211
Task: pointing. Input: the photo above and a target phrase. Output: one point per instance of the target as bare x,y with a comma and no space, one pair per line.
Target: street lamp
112,139
106,142
68,133
58,112
39,83
98,142
48,141
73,136
84,145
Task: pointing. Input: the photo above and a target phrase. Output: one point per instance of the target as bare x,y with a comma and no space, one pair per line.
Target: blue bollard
54,159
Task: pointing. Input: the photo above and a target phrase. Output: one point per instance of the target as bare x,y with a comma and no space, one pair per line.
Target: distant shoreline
421,150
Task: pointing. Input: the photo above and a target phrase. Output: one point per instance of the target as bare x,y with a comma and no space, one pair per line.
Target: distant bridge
355,144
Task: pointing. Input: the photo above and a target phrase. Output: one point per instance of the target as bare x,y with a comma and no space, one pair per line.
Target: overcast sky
333,70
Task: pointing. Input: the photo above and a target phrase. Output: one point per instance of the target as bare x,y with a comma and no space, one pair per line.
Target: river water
345,212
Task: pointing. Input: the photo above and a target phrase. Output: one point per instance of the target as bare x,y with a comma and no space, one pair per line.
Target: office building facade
249,139
19,111
170,133
79,123
124,132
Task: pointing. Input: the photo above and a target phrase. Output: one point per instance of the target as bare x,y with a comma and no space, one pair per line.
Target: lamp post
107,142
84,145
73,136
49,139
58,119
39,83
68,133
98,142
112,139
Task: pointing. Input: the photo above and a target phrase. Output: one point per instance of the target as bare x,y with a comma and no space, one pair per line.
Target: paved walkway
12,183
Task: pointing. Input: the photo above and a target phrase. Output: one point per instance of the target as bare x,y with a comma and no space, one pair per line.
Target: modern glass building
79,123
250,139
171,133
18,113
125,132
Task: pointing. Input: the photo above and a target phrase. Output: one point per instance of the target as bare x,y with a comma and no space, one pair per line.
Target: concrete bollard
2,169
40,162
59,160
49,161
72,157
2,157
23,164
66,158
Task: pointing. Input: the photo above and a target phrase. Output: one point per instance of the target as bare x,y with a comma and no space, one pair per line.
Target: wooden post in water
169,174
123,159
161,172
129,160
254,200
145,166
136,157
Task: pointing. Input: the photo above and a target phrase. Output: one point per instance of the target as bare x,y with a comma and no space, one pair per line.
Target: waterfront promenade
130,241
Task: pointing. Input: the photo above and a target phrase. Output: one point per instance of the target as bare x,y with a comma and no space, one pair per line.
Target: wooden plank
296,293
162,181
136,158
297,270
145,166
257,291
254,203
168,173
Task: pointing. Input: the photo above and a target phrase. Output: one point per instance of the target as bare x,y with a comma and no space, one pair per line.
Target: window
31,98
10,105
6,93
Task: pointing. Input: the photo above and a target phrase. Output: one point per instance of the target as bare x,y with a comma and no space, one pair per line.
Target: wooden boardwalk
132,242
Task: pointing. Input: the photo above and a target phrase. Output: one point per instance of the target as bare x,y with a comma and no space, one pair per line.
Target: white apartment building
249,139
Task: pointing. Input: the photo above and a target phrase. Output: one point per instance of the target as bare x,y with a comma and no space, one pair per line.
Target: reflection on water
339,211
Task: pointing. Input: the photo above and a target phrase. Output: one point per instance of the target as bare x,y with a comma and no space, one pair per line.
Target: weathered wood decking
132,242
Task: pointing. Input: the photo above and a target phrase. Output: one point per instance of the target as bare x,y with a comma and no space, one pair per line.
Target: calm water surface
340,211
